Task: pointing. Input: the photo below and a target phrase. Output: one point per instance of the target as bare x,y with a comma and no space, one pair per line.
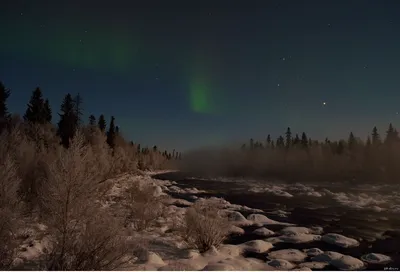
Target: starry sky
185,74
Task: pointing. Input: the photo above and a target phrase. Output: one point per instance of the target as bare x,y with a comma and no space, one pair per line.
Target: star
22,13
73,70
324,103
279,84
157,78
283,59
397,113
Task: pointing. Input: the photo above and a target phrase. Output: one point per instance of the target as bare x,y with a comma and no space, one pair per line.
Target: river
367,213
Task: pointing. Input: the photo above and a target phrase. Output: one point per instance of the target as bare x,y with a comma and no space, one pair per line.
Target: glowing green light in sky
200,98
100,48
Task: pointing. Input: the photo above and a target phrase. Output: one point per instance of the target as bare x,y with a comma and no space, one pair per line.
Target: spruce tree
36,111
268,141
155,148
352,141
111,133
251,144
280,142
102,123
47,111
304,140
92,120
68,121
375,137
288,137
4,115
391,135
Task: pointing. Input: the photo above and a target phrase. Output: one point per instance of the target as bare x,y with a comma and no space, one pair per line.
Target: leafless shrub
96,245
82,240
204,226
9,183
143,207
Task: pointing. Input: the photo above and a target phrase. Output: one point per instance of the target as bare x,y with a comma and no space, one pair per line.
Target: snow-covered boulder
291,255
376,258
236,230
347,263
237,218
230,250
257,246
313,251
295,238
314,265
219,267
339,240
295,230
327,256
263,232
303,268
281,264
260,218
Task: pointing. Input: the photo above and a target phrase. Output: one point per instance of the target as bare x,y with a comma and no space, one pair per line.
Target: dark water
377,232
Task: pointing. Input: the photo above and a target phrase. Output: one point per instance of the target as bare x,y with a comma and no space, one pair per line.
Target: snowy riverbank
164,249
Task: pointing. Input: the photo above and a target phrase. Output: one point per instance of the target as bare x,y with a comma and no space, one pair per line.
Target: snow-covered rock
263,232
327,257
236,218
340,240
376,258
257,246
191,253
230,250
281,264
236,230
303,268
295,230
260,218
154,259
314,265
291,255
178,201
218,267
313,251
157,191
347,263
295,238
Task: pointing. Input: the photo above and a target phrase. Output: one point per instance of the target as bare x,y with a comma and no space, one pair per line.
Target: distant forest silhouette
299,158
37,125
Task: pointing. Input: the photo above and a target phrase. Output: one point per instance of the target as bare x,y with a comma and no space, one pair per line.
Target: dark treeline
37,125
296,157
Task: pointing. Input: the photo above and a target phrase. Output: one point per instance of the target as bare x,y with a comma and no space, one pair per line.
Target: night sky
184,74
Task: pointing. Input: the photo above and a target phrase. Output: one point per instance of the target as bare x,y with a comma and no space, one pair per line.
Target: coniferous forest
47,128
297,157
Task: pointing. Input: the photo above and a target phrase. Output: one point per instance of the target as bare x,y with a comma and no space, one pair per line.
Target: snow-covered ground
166,250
